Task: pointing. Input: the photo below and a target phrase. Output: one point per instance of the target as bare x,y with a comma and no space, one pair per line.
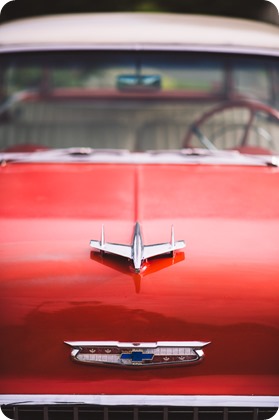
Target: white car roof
139,30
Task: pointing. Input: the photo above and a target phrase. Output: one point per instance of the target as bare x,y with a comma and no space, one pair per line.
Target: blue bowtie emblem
137,356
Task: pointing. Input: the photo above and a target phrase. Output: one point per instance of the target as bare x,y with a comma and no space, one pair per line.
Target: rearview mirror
138,82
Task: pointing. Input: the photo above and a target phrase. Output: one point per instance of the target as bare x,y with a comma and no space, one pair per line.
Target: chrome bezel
161,353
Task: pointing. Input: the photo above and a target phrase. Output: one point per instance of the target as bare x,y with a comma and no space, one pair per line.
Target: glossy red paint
223,288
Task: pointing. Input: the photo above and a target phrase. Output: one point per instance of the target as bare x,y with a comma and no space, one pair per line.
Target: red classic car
139,218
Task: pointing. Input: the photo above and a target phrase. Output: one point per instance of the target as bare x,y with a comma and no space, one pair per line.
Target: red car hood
223,288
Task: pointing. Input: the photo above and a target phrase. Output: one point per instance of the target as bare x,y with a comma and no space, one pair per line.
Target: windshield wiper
71,154
88,151
272,160
220,156
193,152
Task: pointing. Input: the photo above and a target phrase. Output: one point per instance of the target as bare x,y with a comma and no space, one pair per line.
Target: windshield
138,101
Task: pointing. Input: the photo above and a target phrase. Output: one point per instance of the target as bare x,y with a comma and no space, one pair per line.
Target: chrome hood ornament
137,251
137,354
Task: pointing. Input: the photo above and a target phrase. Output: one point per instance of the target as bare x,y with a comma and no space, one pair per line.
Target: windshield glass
138,101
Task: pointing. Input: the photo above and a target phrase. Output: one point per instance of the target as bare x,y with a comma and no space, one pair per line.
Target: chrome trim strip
161,400
140,47
163,157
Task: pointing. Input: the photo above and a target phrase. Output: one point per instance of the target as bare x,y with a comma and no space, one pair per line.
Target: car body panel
139,30
54,288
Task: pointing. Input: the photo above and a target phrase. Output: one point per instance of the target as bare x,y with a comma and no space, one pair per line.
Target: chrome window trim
177,157
139,47
140,400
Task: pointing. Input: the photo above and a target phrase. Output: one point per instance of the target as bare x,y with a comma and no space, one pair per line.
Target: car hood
222,288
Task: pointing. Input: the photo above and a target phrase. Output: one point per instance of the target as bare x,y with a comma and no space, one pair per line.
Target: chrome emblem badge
137,354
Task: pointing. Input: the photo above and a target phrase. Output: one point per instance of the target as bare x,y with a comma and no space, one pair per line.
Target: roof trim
139,47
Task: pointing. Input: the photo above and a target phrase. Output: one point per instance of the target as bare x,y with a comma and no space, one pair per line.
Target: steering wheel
252,106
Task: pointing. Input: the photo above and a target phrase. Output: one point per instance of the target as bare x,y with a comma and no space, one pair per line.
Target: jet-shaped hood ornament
137,251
